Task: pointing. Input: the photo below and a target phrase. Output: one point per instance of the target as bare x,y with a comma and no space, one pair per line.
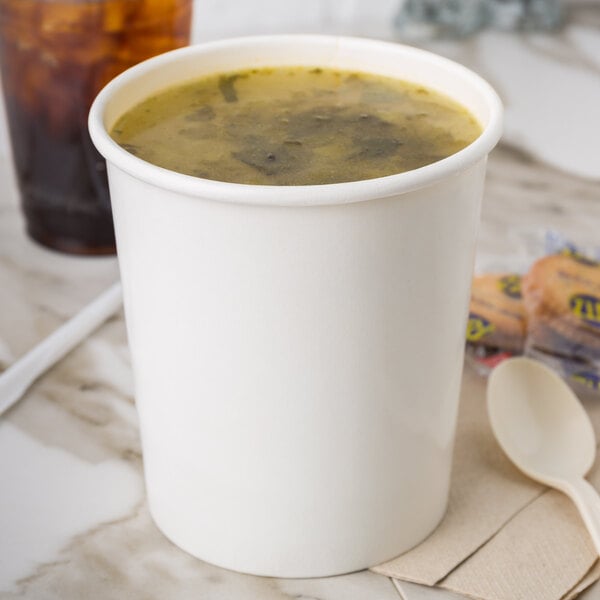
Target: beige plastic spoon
545,431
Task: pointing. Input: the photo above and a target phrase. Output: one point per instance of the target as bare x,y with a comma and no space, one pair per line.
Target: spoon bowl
543,428
538,421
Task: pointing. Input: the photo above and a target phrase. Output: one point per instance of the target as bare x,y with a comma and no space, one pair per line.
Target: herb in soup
295,126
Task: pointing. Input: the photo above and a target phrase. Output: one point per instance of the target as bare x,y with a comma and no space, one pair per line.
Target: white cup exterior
297,351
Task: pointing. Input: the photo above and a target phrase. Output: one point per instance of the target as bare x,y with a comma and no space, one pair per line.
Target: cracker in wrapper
496,313
561,294
551,314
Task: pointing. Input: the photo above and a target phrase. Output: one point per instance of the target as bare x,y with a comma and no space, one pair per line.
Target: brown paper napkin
504,537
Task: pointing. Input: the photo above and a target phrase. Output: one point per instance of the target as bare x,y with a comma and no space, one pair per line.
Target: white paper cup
297,351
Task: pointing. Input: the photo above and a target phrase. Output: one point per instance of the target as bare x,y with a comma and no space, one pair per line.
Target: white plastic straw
15,381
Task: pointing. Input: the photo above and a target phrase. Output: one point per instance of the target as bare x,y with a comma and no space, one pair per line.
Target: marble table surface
73,518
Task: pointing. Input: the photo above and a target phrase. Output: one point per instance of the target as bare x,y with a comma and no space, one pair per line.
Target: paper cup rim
298,195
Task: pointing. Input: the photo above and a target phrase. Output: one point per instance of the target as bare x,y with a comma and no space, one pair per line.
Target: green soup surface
295,126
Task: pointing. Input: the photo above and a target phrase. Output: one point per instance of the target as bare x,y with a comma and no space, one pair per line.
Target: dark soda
55,56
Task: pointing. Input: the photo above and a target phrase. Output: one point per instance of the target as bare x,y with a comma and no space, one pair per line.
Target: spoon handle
587,500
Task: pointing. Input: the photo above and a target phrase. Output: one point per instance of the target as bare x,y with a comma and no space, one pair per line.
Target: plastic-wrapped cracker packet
561,294
497,324
558,306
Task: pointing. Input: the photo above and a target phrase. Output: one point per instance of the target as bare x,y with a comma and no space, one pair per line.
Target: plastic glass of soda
55,55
